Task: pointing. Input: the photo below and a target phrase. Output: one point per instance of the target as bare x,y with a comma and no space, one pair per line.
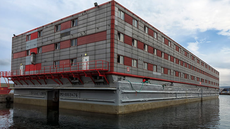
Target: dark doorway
53,107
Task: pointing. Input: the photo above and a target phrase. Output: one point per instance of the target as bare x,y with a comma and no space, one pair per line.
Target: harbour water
207,114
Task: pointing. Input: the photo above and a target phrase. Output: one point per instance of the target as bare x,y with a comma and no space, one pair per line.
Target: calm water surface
208,114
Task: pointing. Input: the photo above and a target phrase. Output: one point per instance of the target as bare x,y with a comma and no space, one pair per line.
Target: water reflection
192,115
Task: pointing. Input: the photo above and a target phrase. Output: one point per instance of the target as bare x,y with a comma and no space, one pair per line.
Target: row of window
121,15
73,23
120,60
28,37
163,55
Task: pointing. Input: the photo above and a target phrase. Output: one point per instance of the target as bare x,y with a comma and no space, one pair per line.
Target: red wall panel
65,25
177,74
48,48
150,32
34,35
128,40
185,64
181,63
19,54
91,38
185,53
140,45
33,50
177,61
32,67
159,53
64,63
128,61
177,48
166,56
150,49
166,41
150,67
165,71
65,44
128,19
171,58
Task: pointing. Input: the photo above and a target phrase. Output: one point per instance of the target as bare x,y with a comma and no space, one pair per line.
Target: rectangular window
162,70
162,54
39,50
146,47
169,44
57,46
155,35
121,37
74,22
120,59
155,51
145,65
74,42
56,63
40,33
121,14
134,63
169,57
28,52
58,27
135,22
73,62
174,60
28,37
163,40
146,29
169,72
134,43
154,68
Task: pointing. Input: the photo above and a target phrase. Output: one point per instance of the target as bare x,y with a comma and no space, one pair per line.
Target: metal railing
64,68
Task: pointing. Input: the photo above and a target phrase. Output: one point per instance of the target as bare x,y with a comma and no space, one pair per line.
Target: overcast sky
201,26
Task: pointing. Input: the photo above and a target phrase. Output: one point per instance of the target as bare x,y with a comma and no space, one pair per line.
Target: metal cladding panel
28,60
150,49
166,41
150,32
34,50
64,63
128,19
65,25
19,54
127,61
34,35
140,45
65,44
48,48
91,38
31,44
32,67
159,53
128,40
166,56
150,67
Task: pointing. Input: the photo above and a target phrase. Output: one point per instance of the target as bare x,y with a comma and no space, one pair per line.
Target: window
146,29
28,52
154,68
56,63
145,65
162,54
146,47
57,46
163,39
174,60
74,42
39,49
121,37
134,63
58,27
134,42
168,57
135,22
120,59
28,37
73,62
155,51
155,35
74,22
162,70
169,72
40,33
121,14
169,44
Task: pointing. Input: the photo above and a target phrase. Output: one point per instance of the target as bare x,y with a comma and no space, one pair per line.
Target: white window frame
40,33
154,68
57,46
169,72
58,27
121,14
39,49
28,37
74,22
169,43
120,37
134,63
73,42
169,57
146,47
134,43
145,65
121,59
162,70
135,22
163,40
162,54
146,29
155,35
155,51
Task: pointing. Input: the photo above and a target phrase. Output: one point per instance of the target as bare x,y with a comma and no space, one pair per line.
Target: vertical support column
112,29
